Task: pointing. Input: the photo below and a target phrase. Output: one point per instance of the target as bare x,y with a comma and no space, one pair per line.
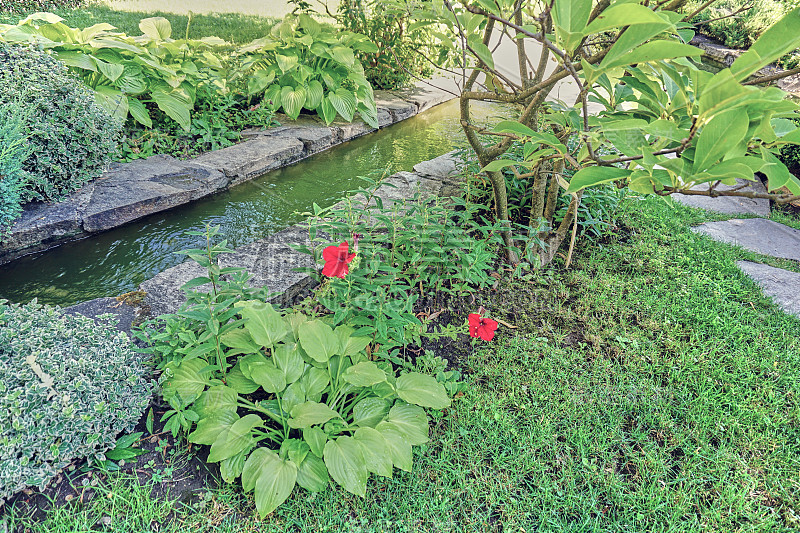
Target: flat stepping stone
781,285
757,235
729,205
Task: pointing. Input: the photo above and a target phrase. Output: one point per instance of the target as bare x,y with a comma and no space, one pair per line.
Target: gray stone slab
757,235
145,187
398,108
384,118
424,96
445,167
125,314
731,205
347,131
270,261
40,226
252,158
783,286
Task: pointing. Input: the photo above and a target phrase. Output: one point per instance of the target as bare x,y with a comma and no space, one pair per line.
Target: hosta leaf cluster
299,66
71,139
284,400
68,386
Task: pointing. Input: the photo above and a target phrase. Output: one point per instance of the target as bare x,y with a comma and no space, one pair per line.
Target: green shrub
72,139
21,6
68,386
13,151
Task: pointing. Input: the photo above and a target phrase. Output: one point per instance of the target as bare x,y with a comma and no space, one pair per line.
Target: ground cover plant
69,386
652,387
13,151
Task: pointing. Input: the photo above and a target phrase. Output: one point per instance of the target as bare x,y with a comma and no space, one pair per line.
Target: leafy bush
72,139
13,151
68,386
20,6
285,399
412,248
303,65
403,51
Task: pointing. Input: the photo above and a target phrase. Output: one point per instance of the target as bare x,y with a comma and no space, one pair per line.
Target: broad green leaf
481,50
720,136
376,453
210,427
311,414
309,25
240,339
263,322
239,382
188,380
652,51
318,340
509,126
591,176
344,458
778,40
174,102
293,100
498,165
216,399
252,466
287,358
343,55
314,94
231,468
110,70
778,175
364,374
157,28
621,15
276,479
237,438
316,439
315,381
268,376
139,112
312,474
350,345
286,63
327,111
398,447
421,389
259,80
77,59
570,18
411,421
112,100
344,102
666,129
369,411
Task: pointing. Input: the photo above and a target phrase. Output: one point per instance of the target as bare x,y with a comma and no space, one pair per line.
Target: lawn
234,27
652,387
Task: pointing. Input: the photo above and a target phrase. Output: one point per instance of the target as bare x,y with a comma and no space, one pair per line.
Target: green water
116,262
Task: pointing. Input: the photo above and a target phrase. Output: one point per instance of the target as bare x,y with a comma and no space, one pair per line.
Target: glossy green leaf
265,325
237,438
327,111
364,374
780,39
188,380
175,103
293,100
314,94
210,427
311,414
411,421
139,112
621,15
652,51
369,411
316,439
275,482
231,468
398,447
318,340
312,474
344,458
720,136
343,55
778,175
376,453
157,28
591,176
421,389
269,376
344,102
215,399
239,382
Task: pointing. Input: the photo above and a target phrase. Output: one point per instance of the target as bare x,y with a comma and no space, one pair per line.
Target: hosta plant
302,65
288,400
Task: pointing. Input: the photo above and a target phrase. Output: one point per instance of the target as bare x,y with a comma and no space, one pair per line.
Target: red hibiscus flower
336,260
481,327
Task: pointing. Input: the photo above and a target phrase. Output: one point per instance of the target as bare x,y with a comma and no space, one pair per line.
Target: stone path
758,235
730,205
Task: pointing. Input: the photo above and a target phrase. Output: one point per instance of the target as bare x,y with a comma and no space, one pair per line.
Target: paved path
758,235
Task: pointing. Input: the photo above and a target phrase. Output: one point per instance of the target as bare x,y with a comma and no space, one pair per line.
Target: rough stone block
252,158
781,285
346,131
444,168
424,96
145,187
398,108
125,314
757,235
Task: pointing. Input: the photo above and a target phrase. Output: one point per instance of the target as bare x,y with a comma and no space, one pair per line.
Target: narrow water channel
116,262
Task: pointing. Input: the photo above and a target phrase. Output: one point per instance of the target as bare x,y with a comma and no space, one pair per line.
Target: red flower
336,260
481,327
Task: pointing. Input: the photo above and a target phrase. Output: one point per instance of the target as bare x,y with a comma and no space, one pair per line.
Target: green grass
650,388
233,27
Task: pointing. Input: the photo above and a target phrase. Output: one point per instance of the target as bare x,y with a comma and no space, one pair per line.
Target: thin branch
705,4
773,77
426,82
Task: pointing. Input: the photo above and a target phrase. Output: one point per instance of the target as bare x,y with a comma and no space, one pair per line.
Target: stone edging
722,57
271,261
129,191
